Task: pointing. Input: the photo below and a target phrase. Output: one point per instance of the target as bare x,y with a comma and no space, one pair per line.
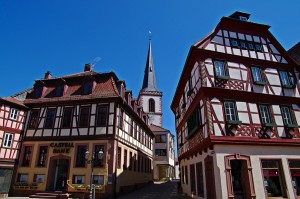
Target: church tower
149,97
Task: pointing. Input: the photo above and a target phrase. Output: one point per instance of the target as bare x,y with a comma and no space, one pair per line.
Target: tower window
151,105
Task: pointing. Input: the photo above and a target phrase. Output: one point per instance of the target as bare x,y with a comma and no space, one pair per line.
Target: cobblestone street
158,190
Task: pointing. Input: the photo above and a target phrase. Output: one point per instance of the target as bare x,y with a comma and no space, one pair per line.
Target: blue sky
62,35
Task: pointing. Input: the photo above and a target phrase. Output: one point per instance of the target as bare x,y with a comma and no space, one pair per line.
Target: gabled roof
295,52
149,83
105,87
13,101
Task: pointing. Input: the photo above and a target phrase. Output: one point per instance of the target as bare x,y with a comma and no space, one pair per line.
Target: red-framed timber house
237,112
12,119
72,114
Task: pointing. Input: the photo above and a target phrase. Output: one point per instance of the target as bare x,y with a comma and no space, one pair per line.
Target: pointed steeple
149,83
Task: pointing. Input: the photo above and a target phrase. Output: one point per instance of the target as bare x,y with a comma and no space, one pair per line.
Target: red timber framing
246,172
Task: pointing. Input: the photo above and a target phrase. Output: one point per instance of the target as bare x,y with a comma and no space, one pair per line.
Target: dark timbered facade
237,112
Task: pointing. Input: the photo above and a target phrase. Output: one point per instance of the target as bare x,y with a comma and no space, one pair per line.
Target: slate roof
149,83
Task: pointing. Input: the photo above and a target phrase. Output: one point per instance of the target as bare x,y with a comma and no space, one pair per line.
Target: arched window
151,105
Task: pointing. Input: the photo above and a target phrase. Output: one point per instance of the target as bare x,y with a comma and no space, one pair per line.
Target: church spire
149,83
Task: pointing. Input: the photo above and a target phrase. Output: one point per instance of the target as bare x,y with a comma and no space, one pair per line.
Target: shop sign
61,147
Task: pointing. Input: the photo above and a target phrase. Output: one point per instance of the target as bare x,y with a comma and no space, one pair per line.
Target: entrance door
240,179
58,173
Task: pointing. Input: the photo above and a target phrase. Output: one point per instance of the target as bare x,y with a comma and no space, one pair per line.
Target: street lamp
92,161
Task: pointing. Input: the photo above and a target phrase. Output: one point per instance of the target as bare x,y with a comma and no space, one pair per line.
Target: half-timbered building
12,120
150,99
73,114
237,111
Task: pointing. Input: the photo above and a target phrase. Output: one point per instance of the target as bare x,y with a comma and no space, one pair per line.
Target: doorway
58,175
238,179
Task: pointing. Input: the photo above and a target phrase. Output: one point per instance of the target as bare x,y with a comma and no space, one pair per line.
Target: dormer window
242,18
87,88
59,91
234,43
38,92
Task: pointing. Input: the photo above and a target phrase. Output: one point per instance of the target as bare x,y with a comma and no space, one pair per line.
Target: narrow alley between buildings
158,190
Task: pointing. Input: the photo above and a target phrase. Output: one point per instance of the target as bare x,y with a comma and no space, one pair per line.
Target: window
182,175
243,44
200,183
134,162
84,116
190,87
102,115
125,160
119,158
220,69
33,119
258,47
234,43
265,115
183,100
22,177
8,140
161,138
131,161
42,156
78,179
39,178
99,162
14,114
186,175
286,112
87,88
67,118
80,157
273,179
250,46
26,156
59,91
192,177
295,174
242,18
194,121
231,114
38,92
50,118
98,179
151,105
160,152
287,79
121,118
257,75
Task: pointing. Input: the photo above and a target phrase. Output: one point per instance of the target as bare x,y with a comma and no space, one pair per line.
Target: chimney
88,67
48,75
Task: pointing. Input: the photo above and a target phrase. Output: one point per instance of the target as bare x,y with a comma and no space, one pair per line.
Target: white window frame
220,68
231,113
14,113
265,113
286,113
257,74
8,139
79,177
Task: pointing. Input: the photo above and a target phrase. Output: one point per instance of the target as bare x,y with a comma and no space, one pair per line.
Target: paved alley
158,190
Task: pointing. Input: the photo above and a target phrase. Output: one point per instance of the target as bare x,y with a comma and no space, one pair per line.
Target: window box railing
291,125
